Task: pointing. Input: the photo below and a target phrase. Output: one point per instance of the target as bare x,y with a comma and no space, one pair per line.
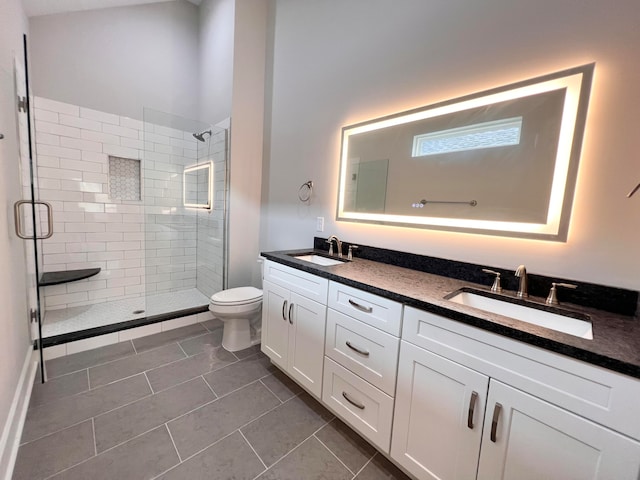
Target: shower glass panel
183,189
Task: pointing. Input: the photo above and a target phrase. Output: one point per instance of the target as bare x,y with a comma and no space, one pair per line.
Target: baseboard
10,440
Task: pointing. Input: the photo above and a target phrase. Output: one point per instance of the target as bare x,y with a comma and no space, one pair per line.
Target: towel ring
305,191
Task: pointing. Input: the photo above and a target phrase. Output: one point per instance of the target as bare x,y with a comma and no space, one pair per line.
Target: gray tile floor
176,405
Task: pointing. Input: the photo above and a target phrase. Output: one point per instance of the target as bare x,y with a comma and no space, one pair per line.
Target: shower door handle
18,219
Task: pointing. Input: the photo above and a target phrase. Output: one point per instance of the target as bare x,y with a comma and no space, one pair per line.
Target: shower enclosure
144,234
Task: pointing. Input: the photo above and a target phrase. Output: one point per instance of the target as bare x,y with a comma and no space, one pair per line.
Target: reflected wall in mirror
501,162
197,186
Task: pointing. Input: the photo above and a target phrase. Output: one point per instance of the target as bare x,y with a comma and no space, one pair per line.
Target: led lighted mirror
197,181
501,162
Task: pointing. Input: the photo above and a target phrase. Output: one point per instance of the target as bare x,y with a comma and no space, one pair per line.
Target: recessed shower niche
124,179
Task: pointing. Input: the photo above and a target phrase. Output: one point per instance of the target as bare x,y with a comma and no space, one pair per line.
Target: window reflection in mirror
500,162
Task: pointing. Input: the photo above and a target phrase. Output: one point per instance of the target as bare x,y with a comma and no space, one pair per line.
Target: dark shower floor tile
184,407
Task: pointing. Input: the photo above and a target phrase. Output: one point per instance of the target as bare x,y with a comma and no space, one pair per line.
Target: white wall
247,120
216,29
119,59
337,63
14,341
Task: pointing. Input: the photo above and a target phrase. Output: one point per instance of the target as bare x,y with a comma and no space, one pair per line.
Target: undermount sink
319,260
542,318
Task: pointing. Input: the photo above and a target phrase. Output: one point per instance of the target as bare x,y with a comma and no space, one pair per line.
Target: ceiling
46,7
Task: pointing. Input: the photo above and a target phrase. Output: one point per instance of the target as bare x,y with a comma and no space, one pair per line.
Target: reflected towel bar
423,202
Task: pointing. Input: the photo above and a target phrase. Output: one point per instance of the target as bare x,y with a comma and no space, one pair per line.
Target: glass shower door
184,196
30,219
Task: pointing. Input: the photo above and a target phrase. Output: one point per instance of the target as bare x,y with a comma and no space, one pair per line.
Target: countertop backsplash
602,297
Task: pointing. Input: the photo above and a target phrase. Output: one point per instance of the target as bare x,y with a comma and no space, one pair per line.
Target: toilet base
236,335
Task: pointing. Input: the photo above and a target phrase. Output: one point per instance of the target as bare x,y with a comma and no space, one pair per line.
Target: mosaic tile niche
124,178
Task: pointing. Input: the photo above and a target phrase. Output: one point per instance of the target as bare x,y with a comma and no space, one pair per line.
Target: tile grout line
205,373
331,452
219,398
365,465
95,443
146,370
173,443
182,349
270,391
254,450
240,427
90,366
101,453
95,416
299,444
210,387
148,382
135,353
88,379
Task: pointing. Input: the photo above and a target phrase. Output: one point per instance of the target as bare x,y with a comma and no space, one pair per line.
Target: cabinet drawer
366,351
601,395
302,283
364,407
371,309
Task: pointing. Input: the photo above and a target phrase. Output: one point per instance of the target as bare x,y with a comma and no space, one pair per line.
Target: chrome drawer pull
355,404
472,407
360,307
290,309
284,308
360,351
494,422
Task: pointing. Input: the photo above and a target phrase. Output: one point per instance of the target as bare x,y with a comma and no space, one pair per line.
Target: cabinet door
536,440
306,342
275,324
438,417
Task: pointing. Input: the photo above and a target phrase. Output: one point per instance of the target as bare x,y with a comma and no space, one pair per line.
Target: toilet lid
237,295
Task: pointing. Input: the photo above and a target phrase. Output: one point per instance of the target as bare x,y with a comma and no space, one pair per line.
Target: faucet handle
552,299
351,249
330,242
496,287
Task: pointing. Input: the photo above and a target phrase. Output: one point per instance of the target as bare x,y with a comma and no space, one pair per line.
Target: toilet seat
237,296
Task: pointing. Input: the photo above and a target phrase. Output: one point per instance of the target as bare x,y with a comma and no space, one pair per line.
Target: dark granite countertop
616,337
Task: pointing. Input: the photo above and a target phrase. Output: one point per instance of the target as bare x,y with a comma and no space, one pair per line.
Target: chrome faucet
523,289
338,244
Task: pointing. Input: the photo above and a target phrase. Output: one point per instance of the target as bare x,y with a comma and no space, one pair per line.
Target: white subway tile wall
143,247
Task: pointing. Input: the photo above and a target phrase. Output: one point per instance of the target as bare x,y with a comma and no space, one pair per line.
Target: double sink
545,316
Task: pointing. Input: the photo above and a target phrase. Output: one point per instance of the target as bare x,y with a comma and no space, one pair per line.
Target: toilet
240,310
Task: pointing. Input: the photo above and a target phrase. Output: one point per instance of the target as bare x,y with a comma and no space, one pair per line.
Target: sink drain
136,312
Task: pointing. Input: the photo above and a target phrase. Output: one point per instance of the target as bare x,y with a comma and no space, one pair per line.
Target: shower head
200,136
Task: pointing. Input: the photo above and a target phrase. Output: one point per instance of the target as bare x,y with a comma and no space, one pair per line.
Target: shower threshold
77,323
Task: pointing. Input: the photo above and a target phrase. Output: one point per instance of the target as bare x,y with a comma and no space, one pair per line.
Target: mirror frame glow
191,169
577,84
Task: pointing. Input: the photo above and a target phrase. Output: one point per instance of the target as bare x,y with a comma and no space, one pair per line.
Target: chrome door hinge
33,315
22,104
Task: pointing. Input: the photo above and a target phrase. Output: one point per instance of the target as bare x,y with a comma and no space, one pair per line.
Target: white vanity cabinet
439,415
471,401
293,323
526,438
362,343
